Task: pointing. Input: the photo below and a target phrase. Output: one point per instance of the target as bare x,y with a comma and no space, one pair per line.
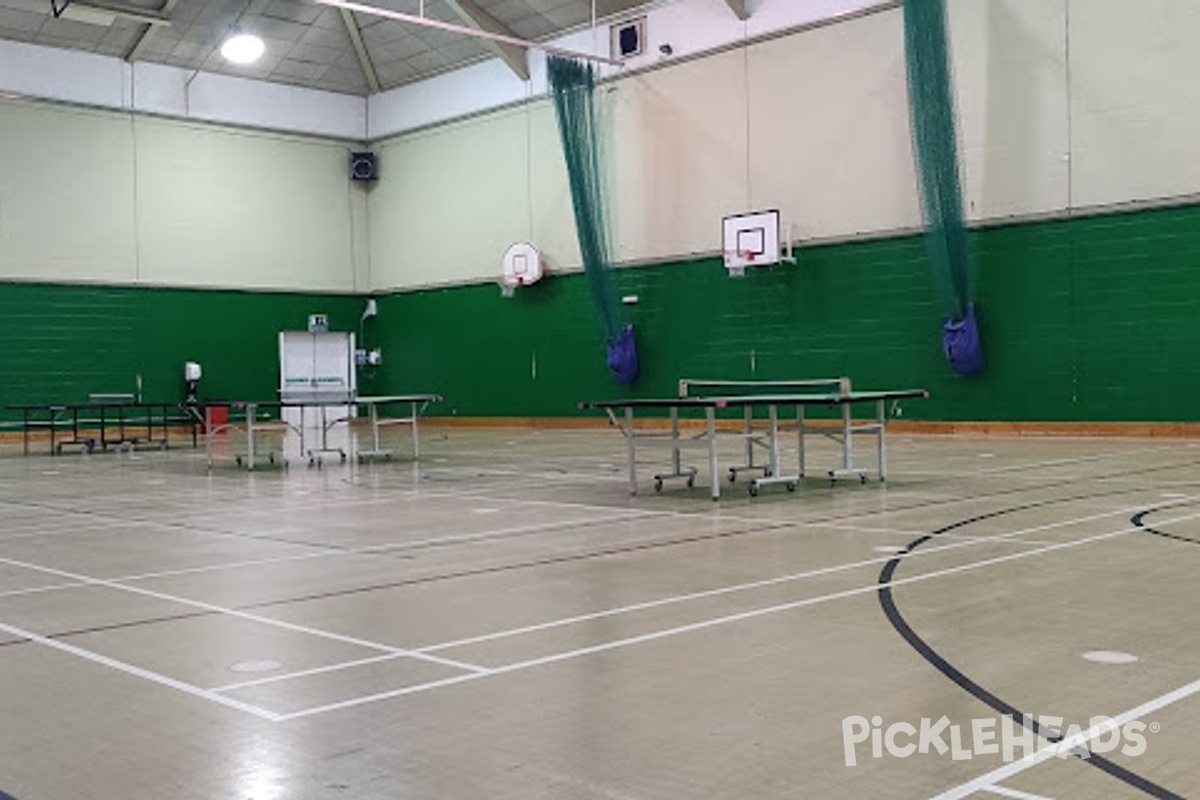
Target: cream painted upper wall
66,194
1009,58
829,136
450,201
1135,119
231,208
99,196
678,147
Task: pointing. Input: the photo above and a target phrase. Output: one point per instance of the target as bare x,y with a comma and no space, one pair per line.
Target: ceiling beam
469,31
360,48
148,32
739,8
516,57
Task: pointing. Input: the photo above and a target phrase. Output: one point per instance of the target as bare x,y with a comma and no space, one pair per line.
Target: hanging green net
935,147
932,108
573,84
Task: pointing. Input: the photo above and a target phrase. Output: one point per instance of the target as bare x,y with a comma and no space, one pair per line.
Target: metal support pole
881,412
675,459
800,436
416,439
773,415
710,428
629,444
847,439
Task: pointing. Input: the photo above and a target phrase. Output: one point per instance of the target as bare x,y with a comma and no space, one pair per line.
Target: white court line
306,672
713,622
387,549
1005,792
987,782
704,594
130,669
337,637
795,576
54,587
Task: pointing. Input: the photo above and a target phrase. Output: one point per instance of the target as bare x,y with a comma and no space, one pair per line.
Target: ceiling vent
629,38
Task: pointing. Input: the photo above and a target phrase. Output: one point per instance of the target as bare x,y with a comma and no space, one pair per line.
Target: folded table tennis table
770,437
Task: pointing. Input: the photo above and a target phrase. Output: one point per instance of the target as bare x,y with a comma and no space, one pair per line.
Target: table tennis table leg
847,439
749,415
773,416
416,438
800,436
25,427
881,413
710,429
675,459
251,415
208,434
631,449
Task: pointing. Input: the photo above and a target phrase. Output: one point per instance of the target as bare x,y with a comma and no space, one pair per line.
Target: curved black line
1137,518
888,603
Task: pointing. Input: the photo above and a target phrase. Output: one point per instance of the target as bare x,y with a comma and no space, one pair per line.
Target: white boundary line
1005,792
337,637
130,669
716,621
988,781
306,672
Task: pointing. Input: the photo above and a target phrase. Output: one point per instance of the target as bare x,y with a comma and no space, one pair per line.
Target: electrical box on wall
318,323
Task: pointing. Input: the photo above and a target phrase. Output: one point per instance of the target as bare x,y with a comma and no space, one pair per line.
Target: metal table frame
772,470
61,417
252,425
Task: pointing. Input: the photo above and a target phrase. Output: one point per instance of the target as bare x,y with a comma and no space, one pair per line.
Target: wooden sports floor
502,620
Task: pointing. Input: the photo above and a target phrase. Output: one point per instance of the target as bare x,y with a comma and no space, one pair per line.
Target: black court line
935,659
1138,520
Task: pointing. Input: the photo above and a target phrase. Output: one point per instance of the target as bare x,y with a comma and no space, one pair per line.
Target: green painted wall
62,342
1091,319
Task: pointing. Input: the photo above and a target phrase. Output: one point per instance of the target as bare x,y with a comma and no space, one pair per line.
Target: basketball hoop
736,262
508,286
522,267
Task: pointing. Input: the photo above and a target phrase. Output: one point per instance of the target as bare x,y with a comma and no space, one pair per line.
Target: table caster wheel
691,481
238,460
658,484
733,476
754,490
343,455
791,487
862,478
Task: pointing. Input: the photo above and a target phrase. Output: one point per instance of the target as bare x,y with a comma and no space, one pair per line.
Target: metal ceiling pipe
475,32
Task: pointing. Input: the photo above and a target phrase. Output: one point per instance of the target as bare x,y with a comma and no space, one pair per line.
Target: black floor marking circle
888,603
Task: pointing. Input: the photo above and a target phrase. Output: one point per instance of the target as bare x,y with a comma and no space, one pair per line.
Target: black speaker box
364,167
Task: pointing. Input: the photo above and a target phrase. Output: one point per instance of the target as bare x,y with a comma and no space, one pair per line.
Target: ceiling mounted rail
466,31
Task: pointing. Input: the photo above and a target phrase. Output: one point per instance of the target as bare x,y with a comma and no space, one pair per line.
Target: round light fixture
243,48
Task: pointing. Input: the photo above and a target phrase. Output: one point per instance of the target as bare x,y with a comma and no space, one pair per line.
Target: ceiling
306,44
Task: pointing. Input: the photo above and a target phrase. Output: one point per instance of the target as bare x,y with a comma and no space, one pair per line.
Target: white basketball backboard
751,240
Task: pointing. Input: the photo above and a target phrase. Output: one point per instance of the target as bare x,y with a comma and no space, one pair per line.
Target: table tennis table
252,424
772,470
105,420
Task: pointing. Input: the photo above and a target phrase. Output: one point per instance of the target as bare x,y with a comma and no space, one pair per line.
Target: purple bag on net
961,342
622,357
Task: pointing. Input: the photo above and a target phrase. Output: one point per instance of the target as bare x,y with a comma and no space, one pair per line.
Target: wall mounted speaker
364,167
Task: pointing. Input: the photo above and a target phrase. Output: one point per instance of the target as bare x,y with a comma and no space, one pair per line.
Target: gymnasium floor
504,621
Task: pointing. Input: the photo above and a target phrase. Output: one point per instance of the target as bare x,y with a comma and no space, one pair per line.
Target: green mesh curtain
931,106
573,84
